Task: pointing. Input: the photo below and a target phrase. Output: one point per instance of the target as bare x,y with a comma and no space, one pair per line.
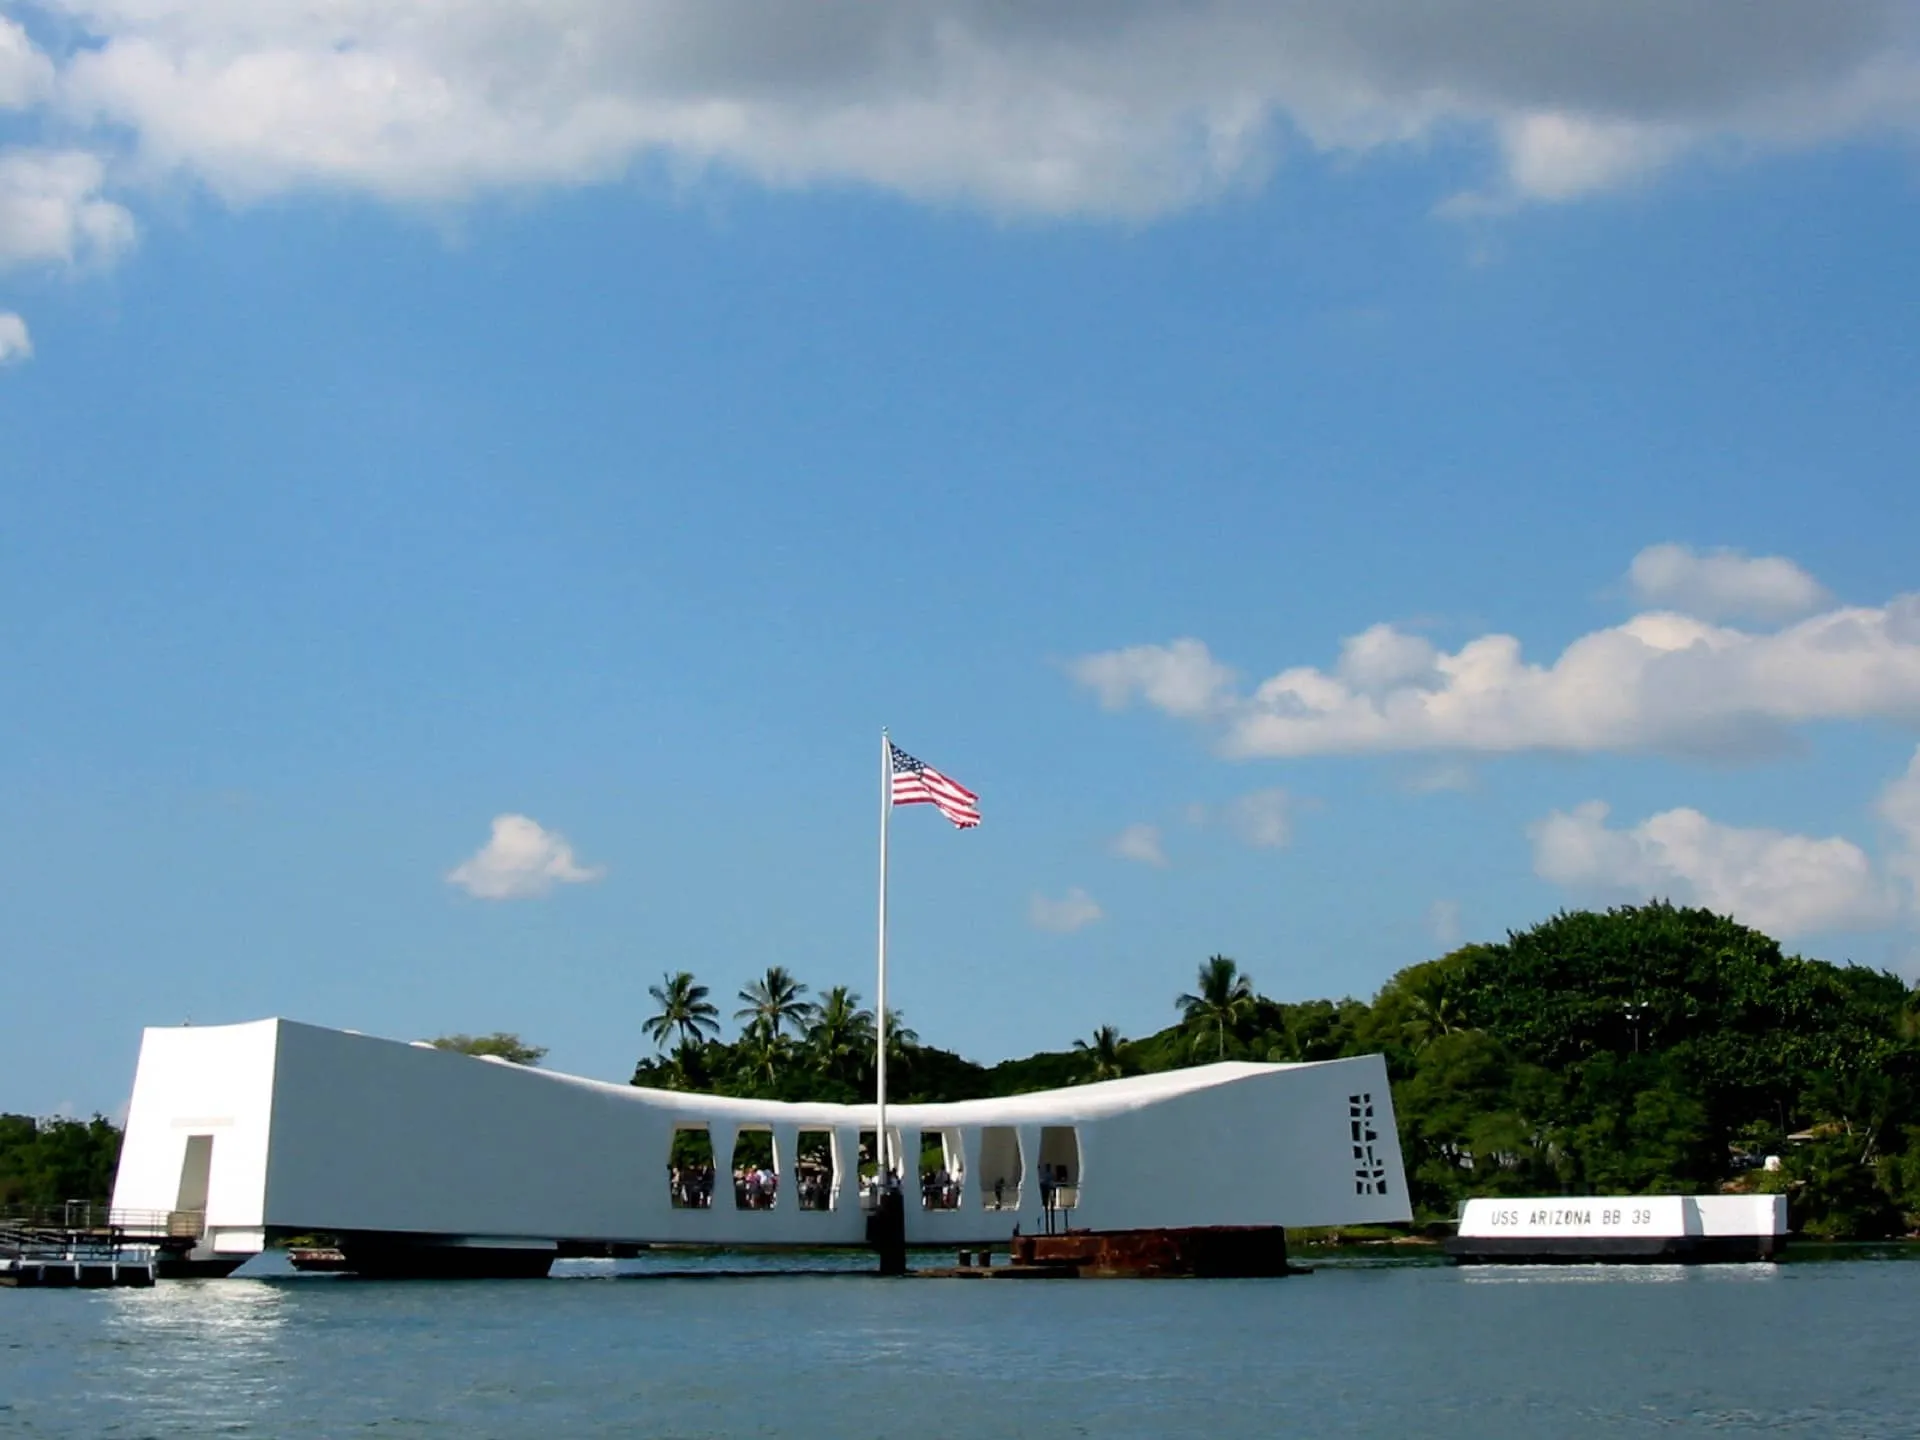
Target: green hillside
1645,1049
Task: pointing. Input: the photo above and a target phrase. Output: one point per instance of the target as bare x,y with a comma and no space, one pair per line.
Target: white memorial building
276,1128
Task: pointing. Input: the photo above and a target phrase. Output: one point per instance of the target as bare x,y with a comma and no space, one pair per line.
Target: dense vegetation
1645,1049
49,1162
501,1044
1652,1049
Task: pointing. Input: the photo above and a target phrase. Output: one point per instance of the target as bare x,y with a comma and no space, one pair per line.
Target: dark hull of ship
1614,1249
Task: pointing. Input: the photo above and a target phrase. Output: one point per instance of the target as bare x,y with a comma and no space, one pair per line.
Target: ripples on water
1392,1349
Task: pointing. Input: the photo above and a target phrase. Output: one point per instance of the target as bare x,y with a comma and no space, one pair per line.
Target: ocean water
1396,1348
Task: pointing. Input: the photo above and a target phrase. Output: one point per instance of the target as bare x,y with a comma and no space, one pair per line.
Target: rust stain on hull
1217,1252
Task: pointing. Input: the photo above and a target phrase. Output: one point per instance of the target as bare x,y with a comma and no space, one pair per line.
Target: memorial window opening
756,1178
1000,1168
870,1159
814,1178
942,1170
1059,1171
690,1168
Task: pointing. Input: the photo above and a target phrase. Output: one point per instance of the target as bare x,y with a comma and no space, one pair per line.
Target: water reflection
198,1355
1615,1274
1493,1353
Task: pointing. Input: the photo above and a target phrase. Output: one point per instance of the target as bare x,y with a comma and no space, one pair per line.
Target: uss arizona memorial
428,1161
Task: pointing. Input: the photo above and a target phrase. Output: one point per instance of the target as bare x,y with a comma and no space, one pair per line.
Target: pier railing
83,1226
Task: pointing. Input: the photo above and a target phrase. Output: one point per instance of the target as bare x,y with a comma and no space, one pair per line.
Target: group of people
815,1186
691,1186
939,1189
755,1187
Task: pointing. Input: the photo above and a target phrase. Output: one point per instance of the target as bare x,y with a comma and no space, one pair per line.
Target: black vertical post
887,1230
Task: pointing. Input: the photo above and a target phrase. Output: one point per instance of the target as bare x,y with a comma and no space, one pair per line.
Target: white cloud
1126,107
1073,911
1182,679
16,344
1723,584
1443,923
1381,658
26,75
1900,808
1553,156
1140,843
523,860
1263,819
1662,682
1783,884
51,210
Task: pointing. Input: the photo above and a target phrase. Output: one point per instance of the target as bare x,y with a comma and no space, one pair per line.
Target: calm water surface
1392,1349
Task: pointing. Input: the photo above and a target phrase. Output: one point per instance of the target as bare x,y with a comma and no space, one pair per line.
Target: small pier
81,1246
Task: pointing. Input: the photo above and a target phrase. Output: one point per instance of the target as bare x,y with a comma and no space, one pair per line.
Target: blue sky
368,479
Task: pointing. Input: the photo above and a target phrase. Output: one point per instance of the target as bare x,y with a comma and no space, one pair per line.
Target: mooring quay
80,1245
424,1162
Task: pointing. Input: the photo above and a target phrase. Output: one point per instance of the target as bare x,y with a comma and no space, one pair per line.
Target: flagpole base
887,1231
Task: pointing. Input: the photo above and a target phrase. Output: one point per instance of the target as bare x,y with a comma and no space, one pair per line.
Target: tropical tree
1102,1054
1435,1010
501,1043
840,1034
1221,1004
684,1010
689,1068
773,1003
1908,1021
45,1162
901,1038
761,1055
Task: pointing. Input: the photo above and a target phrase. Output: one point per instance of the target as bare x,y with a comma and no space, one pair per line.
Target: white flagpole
883,1172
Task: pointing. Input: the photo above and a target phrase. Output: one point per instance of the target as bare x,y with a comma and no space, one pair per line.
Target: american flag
917,783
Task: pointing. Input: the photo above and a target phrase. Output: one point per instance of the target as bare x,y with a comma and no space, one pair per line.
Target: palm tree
840,1033
1221,1005
689,1069
901,1037
684,1008
773,1002
762,1054
1436,1012
1102,1053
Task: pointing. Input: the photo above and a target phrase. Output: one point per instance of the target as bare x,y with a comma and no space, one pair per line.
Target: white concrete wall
1649,1215
1576,1217
216,1081
1737,1215
370,1134
1270,1148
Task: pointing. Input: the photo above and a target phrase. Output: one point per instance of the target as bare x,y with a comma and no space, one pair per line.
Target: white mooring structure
279,1128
